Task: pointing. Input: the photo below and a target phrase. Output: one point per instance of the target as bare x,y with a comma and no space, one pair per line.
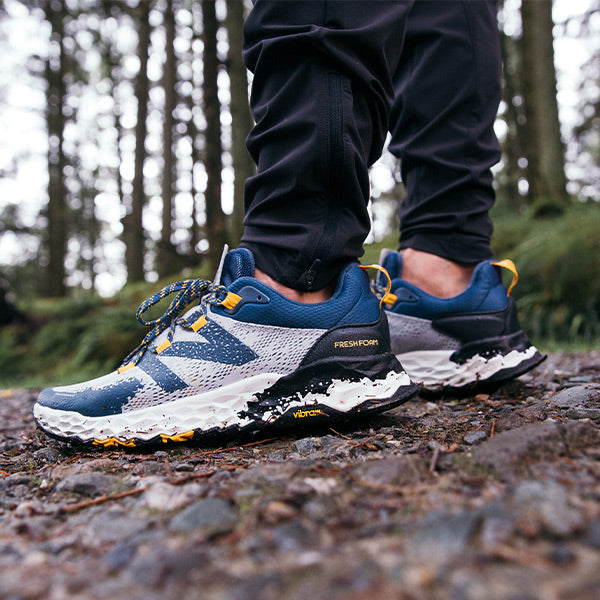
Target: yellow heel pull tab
509,265
231,300
388,297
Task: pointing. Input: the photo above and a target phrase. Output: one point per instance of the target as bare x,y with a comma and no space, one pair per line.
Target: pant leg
321,96
447,94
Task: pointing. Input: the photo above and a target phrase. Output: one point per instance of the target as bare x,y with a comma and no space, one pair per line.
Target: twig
493,428
434,459
346,437
101,500
192,476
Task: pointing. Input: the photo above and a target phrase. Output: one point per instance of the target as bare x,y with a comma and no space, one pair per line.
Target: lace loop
187,291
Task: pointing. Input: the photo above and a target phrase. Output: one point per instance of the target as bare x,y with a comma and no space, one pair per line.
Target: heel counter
352,342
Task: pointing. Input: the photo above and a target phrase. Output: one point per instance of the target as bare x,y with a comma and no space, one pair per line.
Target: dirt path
492,497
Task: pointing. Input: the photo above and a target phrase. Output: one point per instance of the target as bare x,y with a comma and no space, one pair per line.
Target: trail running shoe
244,359
468,342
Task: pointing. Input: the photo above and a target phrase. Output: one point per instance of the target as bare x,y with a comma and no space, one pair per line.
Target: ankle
435,275
291,293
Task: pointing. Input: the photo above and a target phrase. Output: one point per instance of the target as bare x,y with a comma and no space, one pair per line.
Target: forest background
122,163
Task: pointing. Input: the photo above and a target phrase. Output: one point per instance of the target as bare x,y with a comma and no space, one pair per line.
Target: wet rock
89,484
214,515
577,402
510,449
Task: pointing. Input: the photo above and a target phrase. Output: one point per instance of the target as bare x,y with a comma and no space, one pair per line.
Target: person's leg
442,123
321,94
247,356
451,321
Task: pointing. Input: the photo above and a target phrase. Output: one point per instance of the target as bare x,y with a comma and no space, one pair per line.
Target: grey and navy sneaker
244,358
469,342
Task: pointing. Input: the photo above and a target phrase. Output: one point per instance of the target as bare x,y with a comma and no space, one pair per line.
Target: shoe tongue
238,263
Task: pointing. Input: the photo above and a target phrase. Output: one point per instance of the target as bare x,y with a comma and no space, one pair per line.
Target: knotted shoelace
187,291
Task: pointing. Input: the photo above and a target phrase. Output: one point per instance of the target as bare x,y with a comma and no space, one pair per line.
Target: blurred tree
513,156
166,258
55,242
133,230
241,117
544,146
216,229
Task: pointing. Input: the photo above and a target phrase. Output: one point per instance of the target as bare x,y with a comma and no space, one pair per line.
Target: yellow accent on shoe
510,266
163,346
126,367
113,442
231,300
178,437
201,322
388,297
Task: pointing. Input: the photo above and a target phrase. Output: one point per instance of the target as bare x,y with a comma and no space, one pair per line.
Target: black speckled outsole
297,417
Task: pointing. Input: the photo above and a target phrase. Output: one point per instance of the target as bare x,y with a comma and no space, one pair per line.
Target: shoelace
384,294
187,290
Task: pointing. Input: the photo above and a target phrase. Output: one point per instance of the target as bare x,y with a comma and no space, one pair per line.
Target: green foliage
558,260
76,338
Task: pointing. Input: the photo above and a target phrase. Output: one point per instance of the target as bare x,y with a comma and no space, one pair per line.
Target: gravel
494,496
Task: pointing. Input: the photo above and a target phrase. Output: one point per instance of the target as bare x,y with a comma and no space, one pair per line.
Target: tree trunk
215,218
241,117
545,153
513,146
166,263
56,240
132,223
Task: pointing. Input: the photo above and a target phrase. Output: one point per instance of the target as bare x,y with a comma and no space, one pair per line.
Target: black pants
331,78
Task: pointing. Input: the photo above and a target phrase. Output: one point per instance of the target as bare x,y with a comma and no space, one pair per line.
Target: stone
542,506
89,484
508,449
307,446
114,526
580,434
29,508
473,437
393,470
164,496
214,515
321,485
119,557
443,536
295,535
579,402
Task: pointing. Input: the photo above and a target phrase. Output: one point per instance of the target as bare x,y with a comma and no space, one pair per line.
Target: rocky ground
491,497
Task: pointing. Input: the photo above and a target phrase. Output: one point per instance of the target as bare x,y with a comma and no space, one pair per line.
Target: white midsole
219,408
435,370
